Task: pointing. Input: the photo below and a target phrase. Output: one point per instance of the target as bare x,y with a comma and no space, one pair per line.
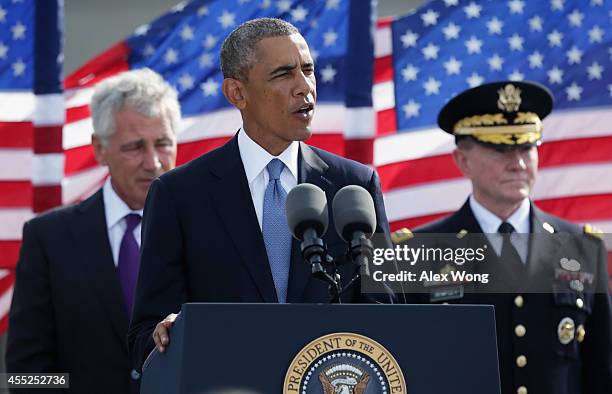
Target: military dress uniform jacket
558,342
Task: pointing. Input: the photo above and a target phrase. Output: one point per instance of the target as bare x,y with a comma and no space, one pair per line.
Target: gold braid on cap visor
495,128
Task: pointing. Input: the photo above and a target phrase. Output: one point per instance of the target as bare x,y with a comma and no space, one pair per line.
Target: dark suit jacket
202,241
552,367
67,313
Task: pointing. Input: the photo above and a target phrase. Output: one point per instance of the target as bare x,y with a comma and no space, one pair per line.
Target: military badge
575,280
446,294
461,234
548,227
402,235
580,333
509,98
566,330
577,285
569,264
344,363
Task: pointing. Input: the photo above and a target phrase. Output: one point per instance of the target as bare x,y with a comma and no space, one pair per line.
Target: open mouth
305,109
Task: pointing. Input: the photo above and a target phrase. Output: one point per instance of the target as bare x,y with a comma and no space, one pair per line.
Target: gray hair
143,91
238,50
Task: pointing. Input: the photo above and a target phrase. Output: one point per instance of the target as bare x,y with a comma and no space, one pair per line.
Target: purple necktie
129,258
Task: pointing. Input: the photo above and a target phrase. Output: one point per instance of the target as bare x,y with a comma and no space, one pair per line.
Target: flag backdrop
31,119
417,62
183,45
425,58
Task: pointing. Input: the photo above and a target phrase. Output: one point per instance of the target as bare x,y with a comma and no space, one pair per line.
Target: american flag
31,119
446,46
182,45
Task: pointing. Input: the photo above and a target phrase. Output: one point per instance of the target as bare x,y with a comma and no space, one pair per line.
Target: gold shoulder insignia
401,235
593,231
462,233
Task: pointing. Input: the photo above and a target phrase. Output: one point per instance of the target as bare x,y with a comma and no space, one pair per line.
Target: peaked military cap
502,115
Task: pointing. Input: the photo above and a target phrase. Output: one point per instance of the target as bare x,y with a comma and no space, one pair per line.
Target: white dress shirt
489,223
115,210
255,159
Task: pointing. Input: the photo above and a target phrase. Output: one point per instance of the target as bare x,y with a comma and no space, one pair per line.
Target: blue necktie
275,230
129,261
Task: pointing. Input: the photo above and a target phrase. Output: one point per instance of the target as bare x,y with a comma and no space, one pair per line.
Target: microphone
307,218
355,222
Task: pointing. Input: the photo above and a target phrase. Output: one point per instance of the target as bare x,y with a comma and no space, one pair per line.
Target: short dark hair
238,50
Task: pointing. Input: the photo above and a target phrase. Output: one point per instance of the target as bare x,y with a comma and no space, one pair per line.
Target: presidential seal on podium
344,363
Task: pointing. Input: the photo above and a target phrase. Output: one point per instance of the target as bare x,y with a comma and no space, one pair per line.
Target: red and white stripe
342,130
418,176
31,170
31,163
421,182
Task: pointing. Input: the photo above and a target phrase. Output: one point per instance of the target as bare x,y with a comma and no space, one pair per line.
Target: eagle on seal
344,386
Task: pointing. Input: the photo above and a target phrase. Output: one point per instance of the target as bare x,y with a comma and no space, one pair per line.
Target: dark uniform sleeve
161,287
597,346
31,344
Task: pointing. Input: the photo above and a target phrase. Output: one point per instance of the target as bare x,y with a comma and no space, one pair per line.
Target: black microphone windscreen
306,207
353,210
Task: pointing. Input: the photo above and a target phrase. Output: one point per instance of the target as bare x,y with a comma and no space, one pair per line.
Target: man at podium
215,230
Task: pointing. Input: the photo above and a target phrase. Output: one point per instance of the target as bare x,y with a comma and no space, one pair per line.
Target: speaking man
77,266
215,229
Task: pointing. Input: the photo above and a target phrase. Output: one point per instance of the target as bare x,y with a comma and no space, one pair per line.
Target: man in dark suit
548,280
215,229
77,267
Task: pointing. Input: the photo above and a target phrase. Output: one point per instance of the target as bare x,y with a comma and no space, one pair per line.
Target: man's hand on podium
161,335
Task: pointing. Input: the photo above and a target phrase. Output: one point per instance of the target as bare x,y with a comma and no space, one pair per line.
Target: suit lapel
311,170
504,275
90,233
467,222
466,219
232,198
542,245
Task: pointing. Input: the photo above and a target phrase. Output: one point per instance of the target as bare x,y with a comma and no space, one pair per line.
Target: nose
305,85
517,159
151,161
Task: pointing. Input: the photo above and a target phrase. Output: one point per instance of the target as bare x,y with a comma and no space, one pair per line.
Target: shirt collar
255,158
489,222
115,208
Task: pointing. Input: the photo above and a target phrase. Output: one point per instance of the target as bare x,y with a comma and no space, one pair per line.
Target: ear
99,150
234,92
462,162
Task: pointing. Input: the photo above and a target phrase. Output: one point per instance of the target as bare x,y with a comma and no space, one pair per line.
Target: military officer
554,336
